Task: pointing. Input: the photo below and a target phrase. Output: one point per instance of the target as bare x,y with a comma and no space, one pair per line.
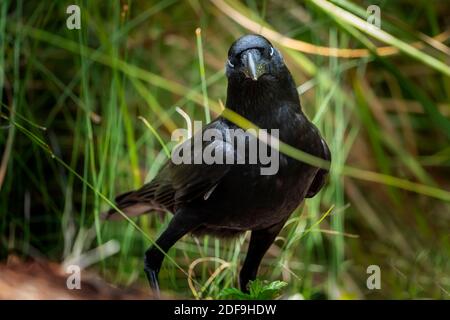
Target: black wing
180,183
321,175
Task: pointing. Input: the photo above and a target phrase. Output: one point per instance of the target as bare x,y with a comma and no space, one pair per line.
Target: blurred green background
71,137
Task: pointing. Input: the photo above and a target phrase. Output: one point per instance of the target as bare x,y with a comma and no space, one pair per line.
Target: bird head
258,80
253,58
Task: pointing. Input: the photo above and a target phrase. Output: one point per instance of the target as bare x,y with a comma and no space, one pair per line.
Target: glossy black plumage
227,199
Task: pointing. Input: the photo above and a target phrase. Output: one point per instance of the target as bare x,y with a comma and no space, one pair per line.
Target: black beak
253,66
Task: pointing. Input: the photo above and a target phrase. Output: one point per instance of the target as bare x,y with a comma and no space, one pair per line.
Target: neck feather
256,100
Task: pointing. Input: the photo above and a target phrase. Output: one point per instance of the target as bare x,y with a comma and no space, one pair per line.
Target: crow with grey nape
231,198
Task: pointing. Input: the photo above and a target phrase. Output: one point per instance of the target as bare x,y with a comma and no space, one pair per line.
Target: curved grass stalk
309,48
345,16
155,133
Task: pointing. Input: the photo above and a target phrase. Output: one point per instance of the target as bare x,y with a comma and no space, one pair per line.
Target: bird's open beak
253,66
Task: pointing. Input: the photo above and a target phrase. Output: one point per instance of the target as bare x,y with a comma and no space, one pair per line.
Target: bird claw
244,287
152,277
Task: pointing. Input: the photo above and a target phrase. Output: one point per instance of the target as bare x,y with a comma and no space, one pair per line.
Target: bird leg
260,242
180,224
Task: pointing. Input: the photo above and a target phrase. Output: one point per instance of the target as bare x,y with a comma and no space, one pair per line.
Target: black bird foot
243,284
152,277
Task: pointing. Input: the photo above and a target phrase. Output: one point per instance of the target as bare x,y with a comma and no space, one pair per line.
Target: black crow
230,198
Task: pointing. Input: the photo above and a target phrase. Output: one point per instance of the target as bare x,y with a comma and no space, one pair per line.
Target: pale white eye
230,64
271,51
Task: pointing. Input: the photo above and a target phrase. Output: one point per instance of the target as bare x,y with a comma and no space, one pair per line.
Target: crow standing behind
228,199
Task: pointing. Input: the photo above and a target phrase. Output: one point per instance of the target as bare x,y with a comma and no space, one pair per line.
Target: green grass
88,113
